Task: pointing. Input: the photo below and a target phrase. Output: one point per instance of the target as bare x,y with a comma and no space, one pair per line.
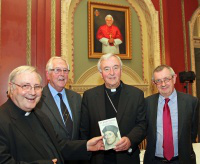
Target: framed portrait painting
109,30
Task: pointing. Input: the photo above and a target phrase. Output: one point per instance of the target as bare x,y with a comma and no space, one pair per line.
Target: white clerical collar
113,90
27,113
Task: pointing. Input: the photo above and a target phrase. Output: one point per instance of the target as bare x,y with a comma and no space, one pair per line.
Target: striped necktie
66,116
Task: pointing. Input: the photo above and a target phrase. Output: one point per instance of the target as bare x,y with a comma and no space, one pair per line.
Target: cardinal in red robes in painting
110,36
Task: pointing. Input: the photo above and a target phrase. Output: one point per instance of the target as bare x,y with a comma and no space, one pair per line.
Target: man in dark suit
57,71
199,129
170,142
114,99
26,134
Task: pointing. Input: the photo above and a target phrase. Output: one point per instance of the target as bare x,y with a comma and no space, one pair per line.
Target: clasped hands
111,41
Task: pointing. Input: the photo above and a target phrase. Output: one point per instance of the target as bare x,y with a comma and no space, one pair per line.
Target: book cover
110,130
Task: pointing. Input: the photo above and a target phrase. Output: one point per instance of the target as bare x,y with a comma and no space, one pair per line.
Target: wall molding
162,33
191,42
92,78
53,27
196,42
184,35
28,33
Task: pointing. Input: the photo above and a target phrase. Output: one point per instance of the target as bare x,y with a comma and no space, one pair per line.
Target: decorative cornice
151,24
141,36
67,36
28,33
90,74
162,33
184,35
82,88
72,33
196,42
53,27
91,78
191,42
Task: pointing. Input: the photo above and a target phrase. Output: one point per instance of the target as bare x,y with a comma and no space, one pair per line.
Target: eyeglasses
165,80
28,87
59,70
114,68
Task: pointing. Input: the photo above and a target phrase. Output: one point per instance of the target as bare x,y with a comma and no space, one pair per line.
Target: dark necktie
168,145
66,116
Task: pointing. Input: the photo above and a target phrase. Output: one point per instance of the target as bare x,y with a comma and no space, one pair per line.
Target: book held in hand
110,130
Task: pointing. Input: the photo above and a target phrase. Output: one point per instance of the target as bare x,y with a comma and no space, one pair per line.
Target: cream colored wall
146,54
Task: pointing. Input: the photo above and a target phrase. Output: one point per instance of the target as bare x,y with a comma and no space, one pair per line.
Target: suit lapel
23,127
72,102
100,102
181,106
154,111
52,107
45,123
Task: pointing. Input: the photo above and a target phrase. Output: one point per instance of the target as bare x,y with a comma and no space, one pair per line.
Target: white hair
105,57
19,70
49,64
109,16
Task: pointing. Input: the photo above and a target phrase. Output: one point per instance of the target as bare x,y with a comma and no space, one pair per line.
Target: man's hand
111,41
95,144
54,161
123,144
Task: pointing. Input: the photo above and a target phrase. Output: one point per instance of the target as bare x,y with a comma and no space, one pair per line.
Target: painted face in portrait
109,137
109,21
26,91
111,72
164,82
58,76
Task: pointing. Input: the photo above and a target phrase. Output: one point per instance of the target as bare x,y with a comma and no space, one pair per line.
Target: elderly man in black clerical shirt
114,99
26,134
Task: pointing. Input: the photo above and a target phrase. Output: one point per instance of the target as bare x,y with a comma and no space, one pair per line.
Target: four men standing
169,119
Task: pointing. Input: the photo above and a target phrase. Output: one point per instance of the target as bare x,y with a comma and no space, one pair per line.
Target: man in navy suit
184,112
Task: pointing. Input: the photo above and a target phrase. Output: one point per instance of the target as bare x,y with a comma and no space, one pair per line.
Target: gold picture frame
96,18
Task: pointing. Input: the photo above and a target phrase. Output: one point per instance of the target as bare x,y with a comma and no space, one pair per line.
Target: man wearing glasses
114,99
61,105
172,121
26,134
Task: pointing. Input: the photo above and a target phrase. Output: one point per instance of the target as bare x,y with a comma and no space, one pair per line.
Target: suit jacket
18,143
199,129
130,118
188,108
49,107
